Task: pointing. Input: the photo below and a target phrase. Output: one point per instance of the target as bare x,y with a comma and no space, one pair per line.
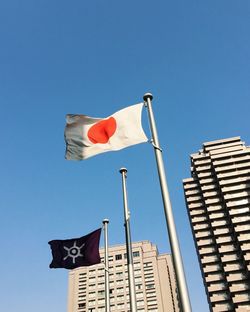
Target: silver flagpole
131,277
106,263
173,239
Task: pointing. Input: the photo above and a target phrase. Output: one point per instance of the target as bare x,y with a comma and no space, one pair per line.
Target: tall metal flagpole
173,239
106,263
131,277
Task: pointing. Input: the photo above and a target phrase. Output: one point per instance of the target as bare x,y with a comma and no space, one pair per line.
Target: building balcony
226,307
202,234
243,237
243,308
205,242
213,208
239,211
192,192
204,181
195,205
198,219
217,215
234,174
212,201
209,259
233,167
216,287
213,278
236,195
203,168
197,212
227,248
234,277
207,250
242,156
229,258
209,187
222,231
212,268
202,175
234,181
241,219
192,199
233,188
218,223
239,287
200,226
232,267
242,228
219,297
245,246
239,298
224,239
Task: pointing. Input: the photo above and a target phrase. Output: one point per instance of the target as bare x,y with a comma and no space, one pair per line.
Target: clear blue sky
96,57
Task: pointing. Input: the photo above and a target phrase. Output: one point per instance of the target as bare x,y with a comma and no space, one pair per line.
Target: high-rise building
218,203
154,282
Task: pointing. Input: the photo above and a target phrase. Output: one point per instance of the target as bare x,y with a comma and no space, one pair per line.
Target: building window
82,288
136,254
119,282
138,271
118,257
119,266
81,305
101,293
101,301
120,298
81,297
101,278
100,285
140,303
151,302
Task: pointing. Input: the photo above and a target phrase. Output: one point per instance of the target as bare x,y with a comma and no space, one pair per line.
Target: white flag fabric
86,136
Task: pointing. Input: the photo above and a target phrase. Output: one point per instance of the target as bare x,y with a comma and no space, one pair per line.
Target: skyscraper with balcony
218,203
154,282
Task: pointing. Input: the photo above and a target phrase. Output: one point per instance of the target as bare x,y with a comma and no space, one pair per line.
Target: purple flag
76,252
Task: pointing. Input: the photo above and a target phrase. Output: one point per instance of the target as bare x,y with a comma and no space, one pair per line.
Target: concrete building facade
218,203
154,282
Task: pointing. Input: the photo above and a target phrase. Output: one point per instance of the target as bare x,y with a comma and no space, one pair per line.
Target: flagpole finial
147,96
123,170
105,221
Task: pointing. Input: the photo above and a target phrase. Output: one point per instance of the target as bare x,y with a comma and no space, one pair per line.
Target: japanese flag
86,136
